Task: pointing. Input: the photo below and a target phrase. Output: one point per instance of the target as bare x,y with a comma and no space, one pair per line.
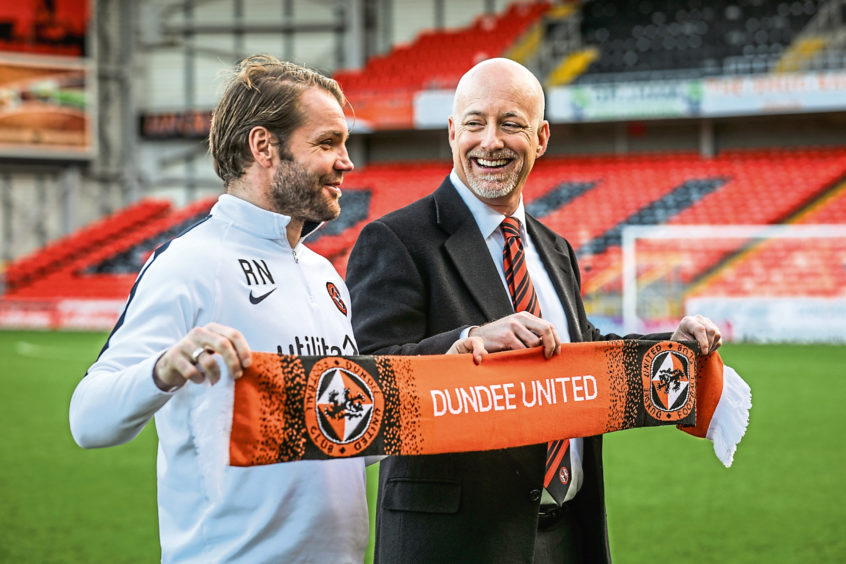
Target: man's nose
491,139
344,162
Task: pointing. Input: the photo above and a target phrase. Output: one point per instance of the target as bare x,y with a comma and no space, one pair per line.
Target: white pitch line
32,350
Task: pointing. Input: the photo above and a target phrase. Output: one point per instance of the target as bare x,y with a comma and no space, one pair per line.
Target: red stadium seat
435,60
758,187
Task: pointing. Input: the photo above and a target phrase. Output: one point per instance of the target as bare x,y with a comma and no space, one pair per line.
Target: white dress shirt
488,220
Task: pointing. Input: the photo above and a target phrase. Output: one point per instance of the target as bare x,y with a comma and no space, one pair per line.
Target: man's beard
493,185
298,193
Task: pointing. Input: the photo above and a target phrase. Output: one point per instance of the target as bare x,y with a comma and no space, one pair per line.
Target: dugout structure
764,283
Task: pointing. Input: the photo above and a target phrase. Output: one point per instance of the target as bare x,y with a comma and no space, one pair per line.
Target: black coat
417,277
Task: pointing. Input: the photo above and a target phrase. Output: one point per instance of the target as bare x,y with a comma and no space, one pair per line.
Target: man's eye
512,125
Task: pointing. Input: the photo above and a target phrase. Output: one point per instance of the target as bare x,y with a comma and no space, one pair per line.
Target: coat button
534,495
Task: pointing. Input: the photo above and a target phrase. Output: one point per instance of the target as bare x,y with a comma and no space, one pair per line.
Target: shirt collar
487,218
251,218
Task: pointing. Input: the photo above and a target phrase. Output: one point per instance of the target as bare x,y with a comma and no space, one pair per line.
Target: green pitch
669,499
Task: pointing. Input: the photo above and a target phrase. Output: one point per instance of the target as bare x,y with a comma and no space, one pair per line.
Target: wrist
163,385
468,331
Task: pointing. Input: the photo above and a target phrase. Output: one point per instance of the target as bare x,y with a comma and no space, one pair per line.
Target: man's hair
263,91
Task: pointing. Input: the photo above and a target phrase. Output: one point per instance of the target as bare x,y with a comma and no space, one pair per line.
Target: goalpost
769,283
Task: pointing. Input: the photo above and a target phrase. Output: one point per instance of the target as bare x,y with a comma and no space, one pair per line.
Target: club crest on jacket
335,294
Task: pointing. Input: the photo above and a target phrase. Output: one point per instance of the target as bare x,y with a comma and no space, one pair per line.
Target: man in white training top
240,276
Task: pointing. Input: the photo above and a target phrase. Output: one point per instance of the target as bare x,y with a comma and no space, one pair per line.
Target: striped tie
557,476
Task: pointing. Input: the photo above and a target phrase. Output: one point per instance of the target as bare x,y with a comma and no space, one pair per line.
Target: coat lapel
468,252
556,258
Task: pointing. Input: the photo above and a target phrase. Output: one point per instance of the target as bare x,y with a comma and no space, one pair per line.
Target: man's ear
451,127
261,145
543,137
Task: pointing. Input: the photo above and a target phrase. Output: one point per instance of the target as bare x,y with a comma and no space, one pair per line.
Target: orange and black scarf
288,408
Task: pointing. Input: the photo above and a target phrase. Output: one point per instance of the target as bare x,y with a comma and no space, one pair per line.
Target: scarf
288,408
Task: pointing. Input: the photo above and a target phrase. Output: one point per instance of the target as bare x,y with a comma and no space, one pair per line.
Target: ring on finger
195,356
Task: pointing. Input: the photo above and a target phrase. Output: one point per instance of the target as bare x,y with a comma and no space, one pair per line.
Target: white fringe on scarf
211,425
731,417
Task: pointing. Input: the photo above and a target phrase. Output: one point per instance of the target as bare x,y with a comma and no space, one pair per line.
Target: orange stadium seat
585,199
782,268
382,93
58,253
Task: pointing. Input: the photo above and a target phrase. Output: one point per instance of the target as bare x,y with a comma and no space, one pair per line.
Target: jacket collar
258,221
469,254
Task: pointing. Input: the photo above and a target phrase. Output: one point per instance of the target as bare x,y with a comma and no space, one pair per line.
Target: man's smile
491,163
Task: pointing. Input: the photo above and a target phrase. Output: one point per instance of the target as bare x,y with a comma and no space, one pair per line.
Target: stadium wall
43,202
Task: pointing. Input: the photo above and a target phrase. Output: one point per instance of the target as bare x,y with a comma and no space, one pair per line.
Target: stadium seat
691,38
586,199
436,59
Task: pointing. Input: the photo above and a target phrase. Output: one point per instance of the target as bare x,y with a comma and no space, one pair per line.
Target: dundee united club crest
668,385
343,407
335,294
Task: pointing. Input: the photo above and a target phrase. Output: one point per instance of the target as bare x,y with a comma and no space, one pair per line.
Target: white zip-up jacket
235,268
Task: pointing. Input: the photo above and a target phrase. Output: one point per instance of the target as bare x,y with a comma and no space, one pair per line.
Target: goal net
768,283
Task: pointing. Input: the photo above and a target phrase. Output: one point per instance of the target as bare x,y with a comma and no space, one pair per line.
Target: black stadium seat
690,39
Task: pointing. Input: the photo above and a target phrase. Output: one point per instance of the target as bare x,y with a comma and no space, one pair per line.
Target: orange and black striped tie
557,476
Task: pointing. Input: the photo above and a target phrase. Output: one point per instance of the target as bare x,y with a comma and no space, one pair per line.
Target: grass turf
668,497
61,503
670,500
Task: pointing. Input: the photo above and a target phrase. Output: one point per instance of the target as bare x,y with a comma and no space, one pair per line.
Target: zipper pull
296,259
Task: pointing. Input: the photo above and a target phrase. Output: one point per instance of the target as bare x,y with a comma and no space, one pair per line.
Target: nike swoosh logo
259,299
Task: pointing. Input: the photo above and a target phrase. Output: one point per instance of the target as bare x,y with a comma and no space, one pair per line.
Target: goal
769,283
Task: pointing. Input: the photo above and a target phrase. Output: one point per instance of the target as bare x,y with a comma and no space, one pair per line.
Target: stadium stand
51,29
383,91
691,39
588,199
735,188
62,252
108,255
784,267
438,58
599,194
